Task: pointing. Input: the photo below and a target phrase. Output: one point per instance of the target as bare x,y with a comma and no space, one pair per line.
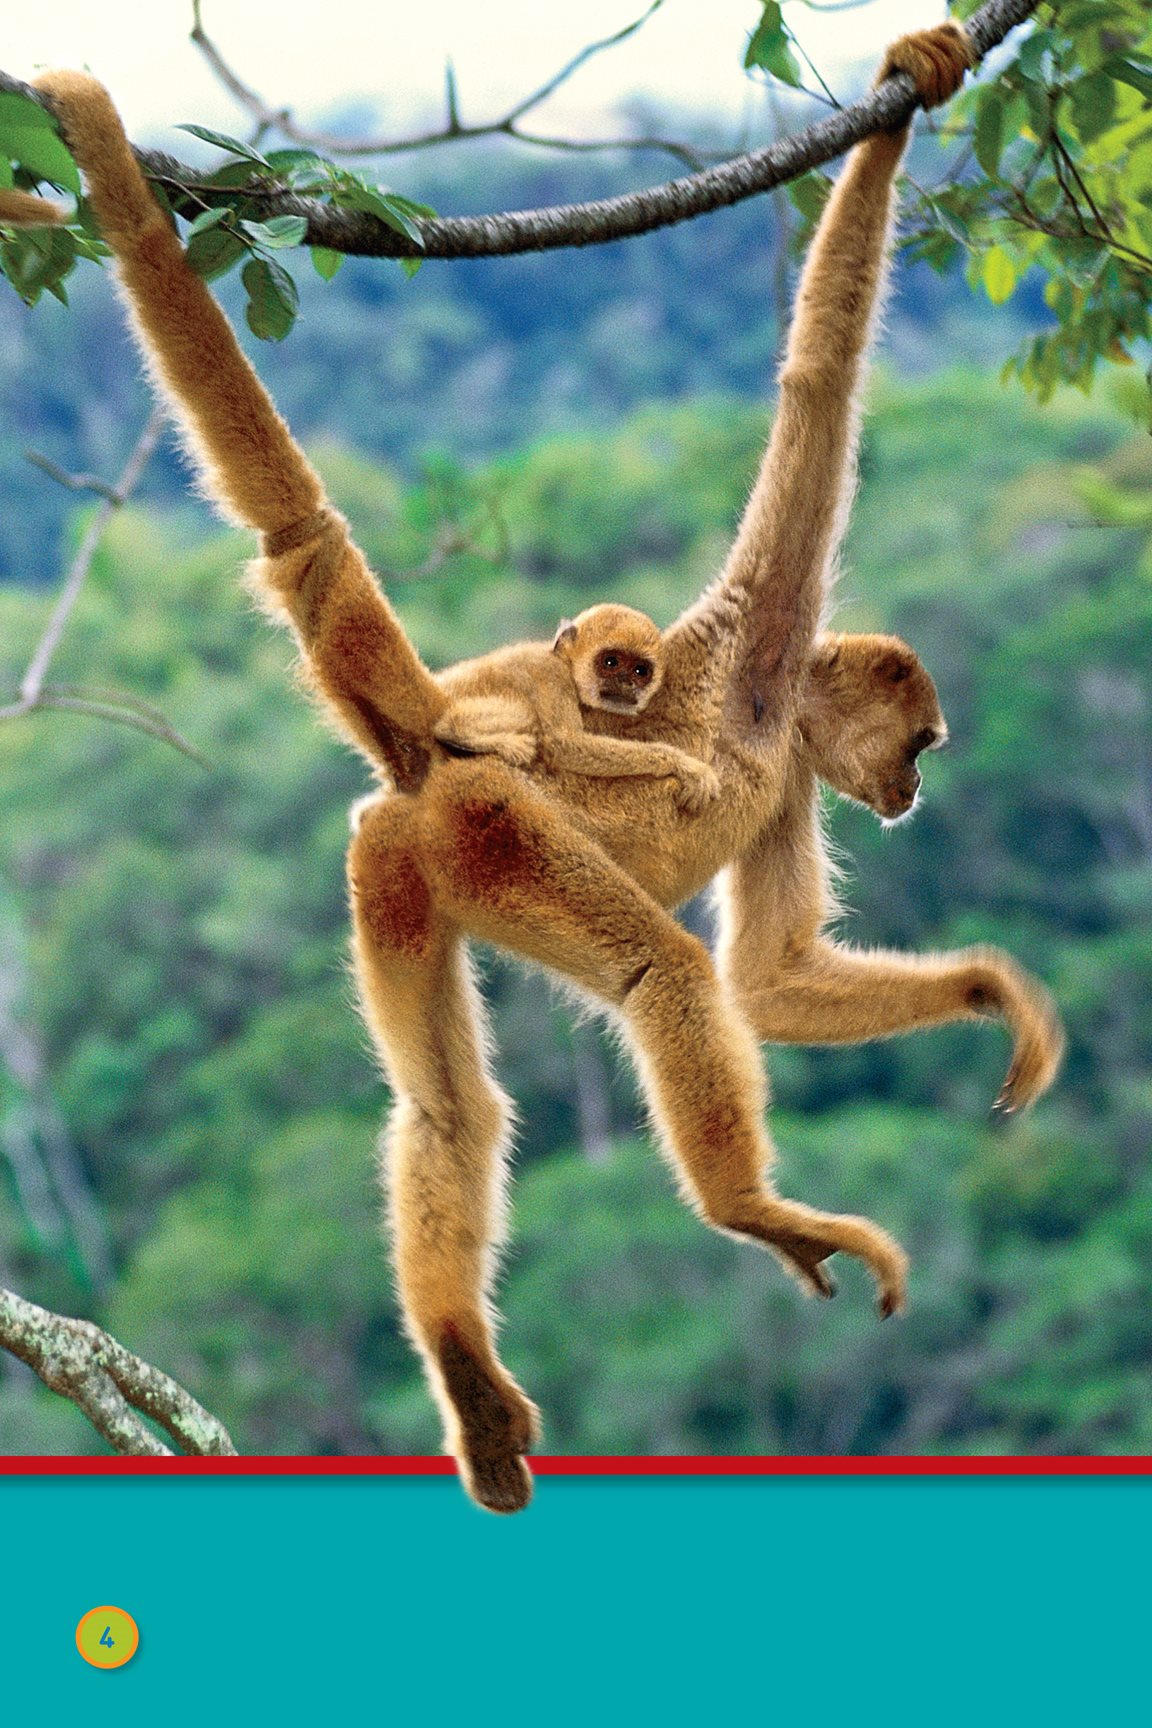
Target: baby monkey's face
616,658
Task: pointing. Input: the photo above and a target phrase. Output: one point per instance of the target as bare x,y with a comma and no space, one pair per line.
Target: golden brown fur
529,702
571,872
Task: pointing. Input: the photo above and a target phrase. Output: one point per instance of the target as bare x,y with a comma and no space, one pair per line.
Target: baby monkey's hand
695,788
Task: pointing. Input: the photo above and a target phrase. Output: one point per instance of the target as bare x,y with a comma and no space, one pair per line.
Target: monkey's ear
565,636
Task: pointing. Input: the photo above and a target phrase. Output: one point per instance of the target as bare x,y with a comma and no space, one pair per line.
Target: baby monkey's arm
622,758
508,727
503,726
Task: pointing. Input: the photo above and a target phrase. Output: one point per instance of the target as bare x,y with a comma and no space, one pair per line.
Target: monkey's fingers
694,793
1039,1048
935,60
1031,1072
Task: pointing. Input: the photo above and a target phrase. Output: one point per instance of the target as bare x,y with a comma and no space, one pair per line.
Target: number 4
105,1637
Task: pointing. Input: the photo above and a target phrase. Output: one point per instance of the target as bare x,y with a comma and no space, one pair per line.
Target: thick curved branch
601,220
113,1388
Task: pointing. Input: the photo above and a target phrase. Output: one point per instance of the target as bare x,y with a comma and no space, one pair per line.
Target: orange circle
107,1637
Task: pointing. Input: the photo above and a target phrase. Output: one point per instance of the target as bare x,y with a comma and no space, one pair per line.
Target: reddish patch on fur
490,848
394,900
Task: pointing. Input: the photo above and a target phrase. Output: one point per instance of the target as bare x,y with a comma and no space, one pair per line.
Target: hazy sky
309,57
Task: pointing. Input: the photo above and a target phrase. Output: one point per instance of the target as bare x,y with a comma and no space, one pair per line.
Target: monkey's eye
643,670
610,662
926,739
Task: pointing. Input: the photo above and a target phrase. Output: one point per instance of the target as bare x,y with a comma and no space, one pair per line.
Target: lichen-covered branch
601,220
113,1388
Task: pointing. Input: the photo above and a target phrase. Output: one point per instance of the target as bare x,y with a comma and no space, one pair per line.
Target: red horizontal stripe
582,1466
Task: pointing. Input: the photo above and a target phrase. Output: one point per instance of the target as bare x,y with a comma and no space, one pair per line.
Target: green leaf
232,176
1138,76
38,259
1032,58
278,231
769,47
999,275
989,140
410,207
354,195
293,161
208,219
810,194
326,262
213,253
22,113
273,300
1093,105
223,141
43,154
952,223
410,266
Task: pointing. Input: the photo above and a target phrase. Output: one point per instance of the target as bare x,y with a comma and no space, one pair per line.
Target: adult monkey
572,875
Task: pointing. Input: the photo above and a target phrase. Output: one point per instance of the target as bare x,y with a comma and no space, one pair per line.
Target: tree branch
118,706
113,1388
595,223
454,129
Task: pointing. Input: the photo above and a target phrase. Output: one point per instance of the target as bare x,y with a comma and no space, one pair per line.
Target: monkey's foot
935,60
802,1239
497,1425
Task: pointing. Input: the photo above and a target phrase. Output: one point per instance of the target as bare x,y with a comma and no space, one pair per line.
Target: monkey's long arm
773,588
311,572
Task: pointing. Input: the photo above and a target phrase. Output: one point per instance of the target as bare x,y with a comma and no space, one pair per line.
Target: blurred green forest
173,945
188,1109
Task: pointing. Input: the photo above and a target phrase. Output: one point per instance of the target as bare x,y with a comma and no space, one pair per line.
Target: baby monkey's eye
610,662
643,670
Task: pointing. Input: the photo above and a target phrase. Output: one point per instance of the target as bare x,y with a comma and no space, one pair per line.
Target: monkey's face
870,711
616,658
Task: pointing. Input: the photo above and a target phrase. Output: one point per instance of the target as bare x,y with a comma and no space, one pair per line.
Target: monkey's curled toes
935,60
802,1239
999,989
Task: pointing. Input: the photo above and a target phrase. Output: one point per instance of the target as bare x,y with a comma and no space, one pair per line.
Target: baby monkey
526,703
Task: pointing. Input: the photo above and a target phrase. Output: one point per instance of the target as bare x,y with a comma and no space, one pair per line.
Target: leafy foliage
1063,141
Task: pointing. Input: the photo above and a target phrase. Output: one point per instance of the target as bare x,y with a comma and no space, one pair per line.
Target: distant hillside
470,358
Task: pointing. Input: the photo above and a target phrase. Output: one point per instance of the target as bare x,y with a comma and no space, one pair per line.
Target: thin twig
113,1388
120,707
499,235
33,680
269,118
688,154
74,482
453,540
121,713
